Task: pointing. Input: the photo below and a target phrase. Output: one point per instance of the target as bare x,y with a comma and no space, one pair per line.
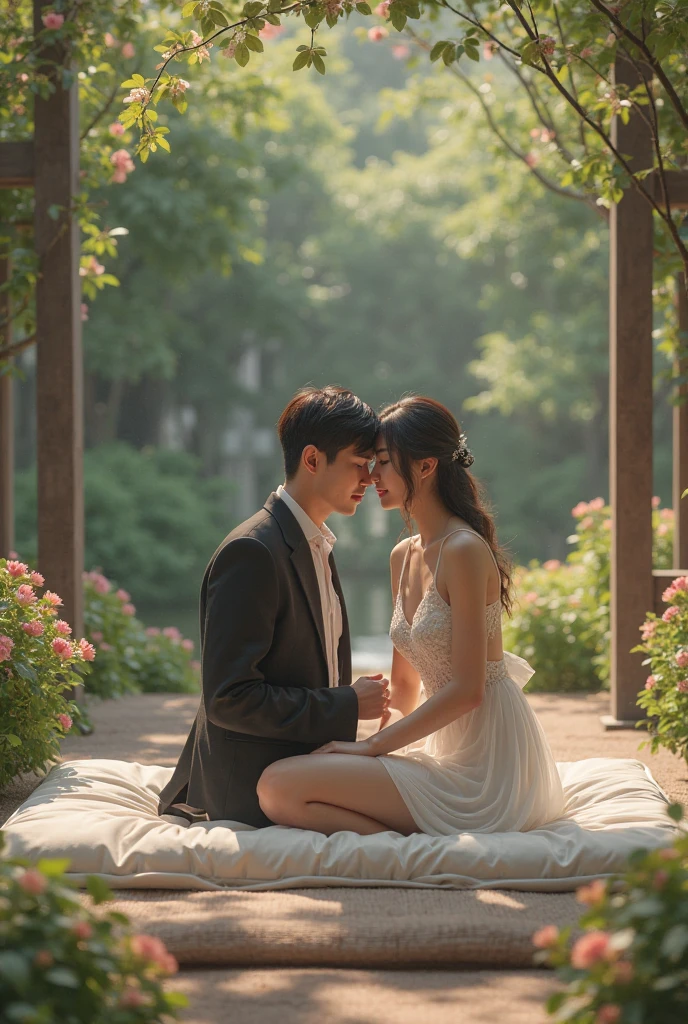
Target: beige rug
347,927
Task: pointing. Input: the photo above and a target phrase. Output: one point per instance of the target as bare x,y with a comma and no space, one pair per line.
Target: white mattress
102,815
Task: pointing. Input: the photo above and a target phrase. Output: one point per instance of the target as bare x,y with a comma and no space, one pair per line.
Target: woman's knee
272,792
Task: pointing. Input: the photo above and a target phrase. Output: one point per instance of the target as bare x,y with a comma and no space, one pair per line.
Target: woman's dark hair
332,419
421,428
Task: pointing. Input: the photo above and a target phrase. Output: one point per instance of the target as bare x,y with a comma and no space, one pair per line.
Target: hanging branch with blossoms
561,53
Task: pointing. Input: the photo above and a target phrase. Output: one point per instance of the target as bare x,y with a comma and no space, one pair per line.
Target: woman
471,755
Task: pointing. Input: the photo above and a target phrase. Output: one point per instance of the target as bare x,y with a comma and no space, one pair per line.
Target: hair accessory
462,453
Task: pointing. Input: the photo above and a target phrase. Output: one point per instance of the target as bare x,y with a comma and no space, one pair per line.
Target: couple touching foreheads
275,737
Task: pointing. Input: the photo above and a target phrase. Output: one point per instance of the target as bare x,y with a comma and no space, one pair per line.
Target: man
275,646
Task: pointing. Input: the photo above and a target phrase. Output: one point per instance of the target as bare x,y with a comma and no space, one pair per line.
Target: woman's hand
362,747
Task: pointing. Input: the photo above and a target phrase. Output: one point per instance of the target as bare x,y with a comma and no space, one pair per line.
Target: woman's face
390,486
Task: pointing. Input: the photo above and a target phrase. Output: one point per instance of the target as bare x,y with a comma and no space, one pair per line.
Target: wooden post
58,343
6,427
680,441
630,417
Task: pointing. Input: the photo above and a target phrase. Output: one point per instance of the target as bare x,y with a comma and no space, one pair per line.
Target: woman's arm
465,568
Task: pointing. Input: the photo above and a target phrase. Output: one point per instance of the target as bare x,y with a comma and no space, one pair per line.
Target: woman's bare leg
333,793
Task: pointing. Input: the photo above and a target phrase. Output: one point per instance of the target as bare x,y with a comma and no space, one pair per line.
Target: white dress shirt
321,542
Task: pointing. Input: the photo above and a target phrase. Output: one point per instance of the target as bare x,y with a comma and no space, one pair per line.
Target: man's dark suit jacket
265,693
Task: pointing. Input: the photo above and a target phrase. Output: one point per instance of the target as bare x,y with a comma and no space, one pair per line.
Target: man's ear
309,458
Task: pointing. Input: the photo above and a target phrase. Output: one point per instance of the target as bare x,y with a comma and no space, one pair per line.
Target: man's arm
241,609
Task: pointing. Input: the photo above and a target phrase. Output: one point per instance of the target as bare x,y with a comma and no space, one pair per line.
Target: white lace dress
492,769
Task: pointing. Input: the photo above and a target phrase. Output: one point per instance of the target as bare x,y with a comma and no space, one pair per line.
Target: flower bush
38,664
630,965
132,659
562,621
61,962
665,696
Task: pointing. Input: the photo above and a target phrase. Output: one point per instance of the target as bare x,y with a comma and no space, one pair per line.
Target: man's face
342,483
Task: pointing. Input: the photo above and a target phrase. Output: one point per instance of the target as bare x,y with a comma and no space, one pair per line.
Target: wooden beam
59,387
676,186
16,164
680,440
6,426
630,417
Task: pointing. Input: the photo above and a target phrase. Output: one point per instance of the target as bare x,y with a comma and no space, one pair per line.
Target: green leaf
62,976
675,942
97,889
449,54
164,144
253,8
313,17
397,17
14,967
471,52
437,49
675,811
242,55
318,63
254,43
24,670
13,740
53,868
188,9
301,60
364,8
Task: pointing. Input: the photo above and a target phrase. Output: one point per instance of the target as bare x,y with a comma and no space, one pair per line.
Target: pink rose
270,31
52,599
623,972
400,51
172,633
545,937
682,685
148,947
128,609
133,998
97,636
33,882
587,522
26,595
656,501
196,666
668,614
44,958
82,930
15,568
62,627
579,510
65,721
116,129
6,645
551,564
382,10
596,505
37,579
101,585
62,648
53,21
123,595
122,161
650,682
649,629
606,524
188,645
152,631
84,312
669,853
661,877
88,651
34,628
682,659
592,893
110,39
105,646
128,51
590,949
377,34
608,1013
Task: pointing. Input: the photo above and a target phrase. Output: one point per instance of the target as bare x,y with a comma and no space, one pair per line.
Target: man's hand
373,696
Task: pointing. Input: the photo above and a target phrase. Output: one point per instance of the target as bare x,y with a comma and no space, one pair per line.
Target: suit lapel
302,560
344,651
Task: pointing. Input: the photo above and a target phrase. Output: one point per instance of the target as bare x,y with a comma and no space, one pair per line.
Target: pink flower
88,651
122,162
101,585
489,49
608,1013
648,629
105,646
662,530
377,34
123,595
548,45
62,648
592,893
587,522
110,39
590,949
17,568
682,659
65,721
656,502
52,599
172,633
44,958
401,51
596,505
682,685
531,596
382,10
148,947
37,579
84,312
34,628
188,645
116,129
133,998
623,972
62,627
32,882
6,645
586,52
270,31
152,631
196,666
82,930
203,51
138,95
606,524
128,51
579,510
669,614
26,595
53,21
551,564
661,877
669,853
532,158
128,609
546,937
96,635
650,682
179,86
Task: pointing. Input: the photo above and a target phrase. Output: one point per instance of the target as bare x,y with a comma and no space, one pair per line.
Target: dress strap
403,567
464,529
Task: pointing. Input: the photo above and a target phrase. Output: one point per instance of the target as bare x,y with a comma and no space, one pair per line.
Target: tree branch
9,351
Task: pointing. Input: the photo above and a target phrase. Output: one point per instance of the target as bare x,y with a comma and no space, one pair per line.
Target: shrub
665,697
39,664
61,963
631,964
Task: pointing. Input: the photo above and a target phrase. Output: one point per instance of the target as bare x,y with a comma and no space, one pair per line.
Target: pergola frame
50,164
